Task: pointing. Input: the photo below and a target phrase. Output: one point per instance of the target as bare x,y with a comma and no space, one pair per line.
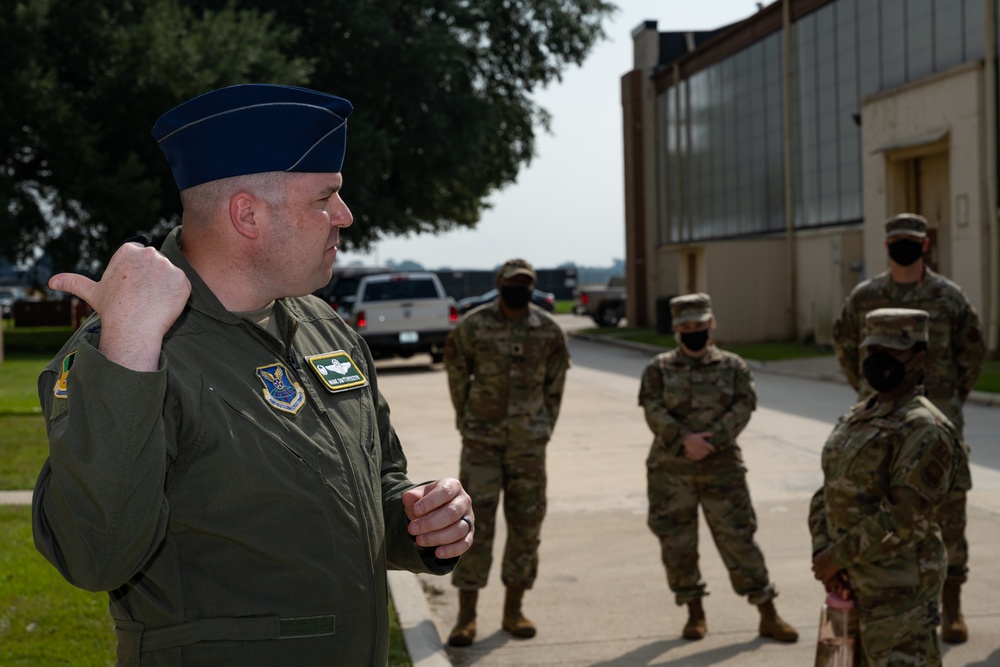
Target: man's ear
244,214
926,244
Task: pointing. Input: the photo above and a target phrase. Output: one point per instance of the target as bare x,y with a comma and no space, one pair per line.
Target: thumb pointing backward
77,285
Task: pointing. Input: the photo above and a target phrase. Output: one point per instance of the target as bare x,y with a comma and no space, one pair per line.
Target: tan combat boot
772,626
953,628
695,628
514,621
465,628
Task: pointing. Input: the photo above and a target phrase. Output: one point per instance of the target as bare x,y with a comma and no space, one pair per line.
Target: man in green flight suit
887,465
955,355
506,363
222,461
697,399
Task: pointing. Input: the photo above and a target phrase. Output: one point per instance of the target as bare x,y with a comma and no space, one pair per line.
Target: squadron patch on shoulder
280,391
932,474
59,391
337,371
942,453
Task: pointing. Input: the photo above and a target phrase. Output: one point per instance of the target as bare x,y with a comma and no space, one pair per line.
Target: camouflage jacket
956,350
682,394
885,468
506,376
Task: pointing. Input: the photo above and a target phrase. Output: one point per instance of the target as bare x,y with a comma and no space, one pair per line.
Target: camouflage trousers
518,471
725,501
950,513
908,638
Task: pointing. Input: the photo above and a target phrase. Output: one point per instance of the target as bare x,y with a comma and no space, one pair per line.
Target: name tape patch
337,371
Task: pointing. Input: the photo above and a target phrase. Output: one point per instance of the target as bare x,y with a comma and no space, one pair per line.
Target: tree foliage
442,93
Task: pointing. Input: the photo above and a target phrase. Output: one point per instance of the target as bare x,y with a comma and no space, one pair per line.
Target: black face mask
695,341
883,371
906,252
515,296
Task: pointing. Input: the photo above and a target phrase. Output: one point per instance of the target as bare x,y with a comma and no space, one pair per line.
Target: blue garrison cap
253,128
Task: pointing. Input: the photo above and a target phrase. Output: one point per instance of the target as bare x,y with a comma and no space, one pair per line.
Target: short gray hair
201,200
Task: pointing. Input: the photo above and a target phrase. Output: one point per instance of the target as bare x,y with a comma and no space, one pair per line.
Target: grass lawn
563,306
989,379
46,340
23,452
24,444
757,351
44,620
18,382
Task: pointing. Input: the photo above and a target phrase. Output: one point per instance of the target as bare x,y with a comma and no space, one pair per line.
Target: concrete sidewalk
601,599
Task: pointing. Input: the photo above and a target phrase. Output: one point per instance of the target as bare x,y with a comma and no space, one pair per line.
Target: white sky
568,204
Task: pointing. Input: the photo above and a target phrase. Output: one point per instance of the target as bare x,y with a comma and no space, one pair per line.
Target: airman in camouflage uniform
955,359
506,364
889,461
697,399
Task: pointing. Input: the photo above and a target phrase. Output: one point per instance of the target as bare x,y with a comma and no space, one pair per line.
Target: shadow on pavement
462,657
653,654
992,660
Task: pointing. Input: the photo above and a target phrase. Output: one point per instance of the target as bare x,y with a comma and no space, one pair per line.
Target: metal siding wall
747,280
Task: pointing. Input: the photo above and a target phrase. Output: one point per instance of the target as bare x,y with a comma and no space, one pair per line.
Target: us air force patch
337,371
59,391
279,390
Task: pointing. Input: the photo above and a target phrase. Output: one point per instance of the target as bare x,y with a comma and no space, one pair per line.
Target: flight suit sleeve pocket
129,636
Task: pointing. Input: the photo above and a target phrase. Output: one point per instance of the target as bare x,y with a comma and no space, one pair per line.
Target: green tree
442,93
84,81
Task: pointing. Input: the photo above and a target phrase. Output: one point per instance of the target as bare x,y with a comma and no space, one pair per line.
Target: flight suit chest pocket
349,416
245,428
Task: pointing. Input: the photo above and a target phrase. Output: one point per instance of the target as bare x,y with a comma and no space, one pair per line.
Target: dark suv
544,300
8,295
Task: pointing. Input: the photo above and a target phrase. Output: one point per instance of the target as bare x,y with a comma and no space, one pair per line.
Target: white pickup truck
605,304
402,314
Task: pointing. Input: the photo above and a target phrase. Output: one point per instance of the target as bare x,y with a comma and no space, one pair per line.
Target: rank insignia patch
279,390
59,391
337,371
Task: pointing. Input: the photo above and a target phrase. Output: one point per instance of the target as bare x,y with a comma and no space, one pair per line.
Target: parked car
402,314
605,304
8,295
544,300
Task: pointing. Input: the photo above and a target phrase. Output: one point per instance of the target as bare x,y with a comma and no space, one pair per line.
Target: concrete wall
638,96
747,280
893,125
828,265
